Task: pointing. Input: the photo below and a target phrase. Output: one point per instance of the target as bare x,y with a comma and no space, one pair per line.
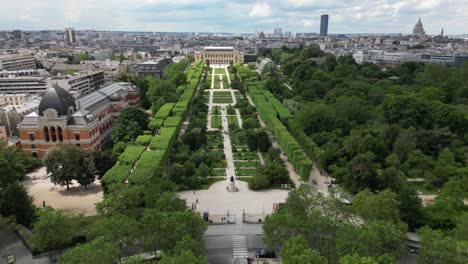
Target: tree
89,172
64,165
435,247
130,123
119,229
164,202
356,259
189,244
296,251
97,251
160,233
380,206
182,258
15,201
103,161
263,142
122,200
410,207
53,230
461,230
203,170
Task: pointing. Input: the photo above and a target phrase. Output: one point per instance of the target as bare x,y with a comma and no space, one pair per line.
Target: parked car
263,253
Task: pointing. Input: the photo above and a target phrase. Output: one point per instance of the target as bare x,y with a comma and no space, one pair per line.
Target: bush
117,174
149,163
259,182
131,155
143,140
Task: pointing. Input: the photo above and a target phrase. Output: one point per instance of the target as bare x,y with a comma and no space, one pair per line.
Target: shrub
143,140
131,155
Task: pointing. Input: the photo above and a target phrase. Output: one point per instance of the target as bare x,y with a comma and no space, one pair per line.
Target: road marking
239,246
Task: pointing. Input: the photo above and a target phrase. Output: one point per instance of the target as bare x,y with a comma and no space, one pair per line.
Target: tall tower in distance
70,35
324,25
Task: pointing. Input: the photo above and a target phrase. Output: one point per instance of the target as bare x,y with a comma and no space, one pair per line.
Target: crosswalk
239,247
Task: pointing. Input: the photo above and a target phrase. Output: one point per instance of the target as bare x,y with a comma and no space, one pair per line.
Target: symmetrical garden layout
224,125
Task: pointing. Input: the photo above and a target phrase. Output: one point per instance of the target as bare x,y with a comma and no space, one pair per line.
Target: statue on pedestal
232,187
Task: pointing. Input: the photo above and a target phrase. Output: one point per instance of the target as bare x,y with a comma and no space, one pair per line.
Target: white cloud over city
346,16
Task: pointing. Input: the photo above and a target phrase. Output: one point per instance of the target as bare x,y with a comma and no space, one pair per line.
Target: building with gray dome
85,122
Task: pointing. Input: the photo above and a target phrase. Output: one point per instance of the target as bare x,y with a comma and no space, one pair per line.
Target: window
77,136
31,137
34,154
33,146
78,145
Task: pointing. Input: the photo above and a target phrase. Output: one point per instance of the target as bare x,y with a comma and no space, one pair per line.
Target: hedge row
131,155
143,140
164,140
155,123
282,111
150,162
164,111
117,174
266,108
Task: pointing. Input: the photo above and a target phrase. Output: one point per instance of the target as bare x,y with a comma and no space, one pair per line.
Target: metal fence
253,218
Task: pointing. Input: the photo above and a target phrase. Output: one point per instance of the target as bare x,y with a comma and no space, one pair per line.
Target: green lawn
251,163
220,71
226,82
245,172
244,157
222,100
216,82
216,122
221,94
219,172
232,120
210,181
231,110
216,110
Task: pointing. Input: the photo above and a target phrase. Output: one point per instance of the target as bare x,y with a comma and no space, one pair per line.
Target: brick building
85,122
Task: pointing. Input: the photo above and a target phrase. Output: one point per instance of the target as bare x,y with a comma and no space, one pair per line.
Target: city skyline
383,16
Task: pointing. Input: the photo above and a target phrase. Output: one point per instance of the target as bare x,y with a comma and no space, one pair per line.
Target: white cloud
346,16
261,9
28,18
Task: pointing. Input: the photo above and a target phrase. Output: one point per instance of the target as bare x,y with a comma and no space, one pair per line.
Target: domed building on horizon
418,30
85,122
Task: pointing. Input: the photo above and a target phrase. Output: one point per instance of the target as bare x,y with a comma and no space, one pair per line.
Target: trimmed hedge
131,155
173,121
269,109
143,140
164,140
155,123
149,163
164,111
117,174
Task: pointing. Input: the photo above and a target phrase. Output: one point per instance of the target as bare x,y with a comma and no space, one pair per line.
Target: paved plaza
216,200
77,199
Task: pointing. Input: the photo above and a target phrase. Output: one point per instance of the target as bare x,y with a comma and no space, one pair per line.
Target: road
222,249
10,244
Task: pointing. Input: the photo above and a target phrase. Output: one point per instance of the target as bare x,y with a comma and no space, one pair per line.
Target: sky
236,16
